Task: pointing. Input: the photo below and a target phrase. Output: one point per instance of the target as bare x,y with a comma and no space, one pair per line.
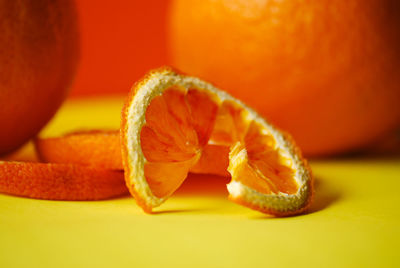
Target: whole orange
326,71
39,45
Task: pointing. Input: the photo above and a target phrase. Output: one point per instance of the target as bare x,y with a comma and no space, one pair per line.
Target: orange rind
95,148
60,181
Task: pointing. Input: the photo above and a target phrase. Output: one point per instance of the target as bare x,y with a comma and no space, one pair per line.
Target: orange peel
168,120
60,181
96,148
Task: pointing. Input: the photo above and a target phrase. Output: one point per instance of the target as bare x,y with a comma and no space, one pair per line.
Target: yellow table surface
354,222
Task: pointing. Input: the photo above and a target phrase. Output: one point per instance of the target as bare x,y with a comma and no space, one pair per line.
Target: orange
326,71
38,55
168,120
60,181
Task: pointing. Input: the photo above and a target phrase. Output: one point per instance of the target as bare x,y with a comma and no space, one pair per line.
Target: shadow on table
169,211
324,196
210,185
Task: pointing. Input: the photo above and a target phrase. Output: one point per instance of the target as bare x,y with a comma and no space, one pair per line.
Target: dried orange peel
96,148
60,181
169,119
79,168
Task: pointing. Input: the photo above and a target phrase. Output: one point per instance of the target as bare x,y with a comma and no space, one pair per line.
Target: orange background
120,41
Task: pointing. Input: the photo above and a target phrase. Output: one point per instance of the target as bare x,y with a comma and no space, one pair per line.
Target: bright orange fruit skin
94,148
60,181
39,49
325,71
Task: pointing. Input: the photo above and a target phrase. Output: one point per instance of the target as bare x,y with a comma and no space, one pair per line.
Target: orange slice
96,148
168,121
60,181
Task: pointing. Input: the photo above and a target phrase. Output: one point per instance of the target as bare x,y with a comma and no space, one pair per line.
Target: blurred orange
39,48
120,41
326,71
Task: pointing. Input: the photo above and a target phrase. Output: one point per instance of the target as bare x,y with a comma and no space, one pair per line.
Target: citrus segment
203,113
91,148
267,159
165,178
242,171
178,125
170,120
60,181
230,125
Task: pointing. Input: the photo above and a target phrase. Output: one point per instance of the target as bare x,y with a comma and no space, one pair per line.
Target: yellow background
354,222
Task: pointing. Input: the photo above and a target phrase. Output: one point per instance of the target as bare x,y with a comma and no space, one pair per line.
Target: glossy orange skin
39,49
325,71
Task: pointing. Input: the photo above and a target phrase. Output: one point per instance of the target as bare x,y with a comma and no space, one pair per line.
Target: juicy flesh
189,131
